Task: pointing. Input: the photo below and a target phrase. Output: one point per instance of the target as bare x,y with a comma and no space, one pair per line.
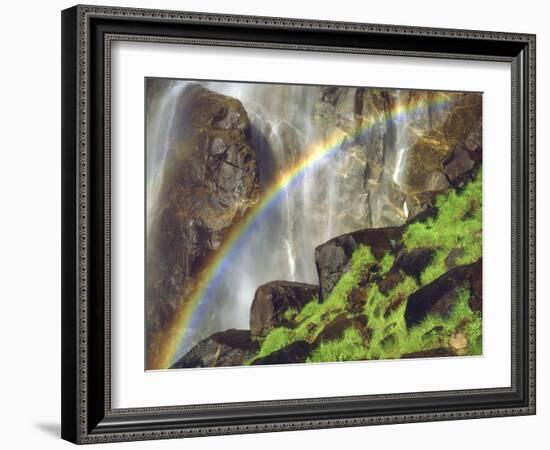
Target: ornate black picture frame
87,35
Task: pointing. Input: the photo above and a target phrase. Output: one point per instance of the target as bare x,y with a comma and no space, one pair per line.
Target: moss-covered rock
402,292
394,274
333,258
441,295
274,300
295,352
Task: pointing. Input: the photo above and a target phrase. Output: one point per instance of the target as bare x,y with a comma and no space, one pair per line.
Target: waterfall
398,169
291,259
283,126
401,140
282,248
160,124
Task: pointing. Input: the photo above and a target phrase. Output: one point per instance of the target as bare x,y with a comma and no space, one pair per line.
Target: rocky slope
395,292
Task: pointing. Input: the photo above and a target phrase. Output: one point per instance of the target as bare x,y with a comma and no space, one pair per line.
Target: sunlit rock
274,299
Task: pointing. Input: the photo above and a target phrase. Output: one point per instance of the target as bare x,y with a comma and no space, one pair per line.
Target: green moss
315,315
308,310
339,295
405,288
435,269
474,335
350,347
433,332
276,339
385,315
290,314
362,259
461,314
387,262
457,225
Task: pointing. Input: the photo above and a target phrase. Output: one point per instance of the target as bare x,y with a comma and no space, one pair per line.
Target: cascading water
283,247
162,113
401,142
398,170
283,126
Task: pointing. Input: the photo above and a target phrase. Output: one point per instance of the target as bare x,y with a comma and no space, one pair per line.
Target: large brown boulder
273,299
209,180
440,296
226,348
333,258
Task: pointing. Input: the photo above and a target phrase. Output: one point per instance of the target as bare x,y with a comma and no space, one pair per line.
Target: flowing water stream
283,126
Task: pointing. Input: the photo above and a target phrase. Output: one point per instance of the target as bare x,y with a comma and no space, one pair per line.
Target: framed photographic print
280,224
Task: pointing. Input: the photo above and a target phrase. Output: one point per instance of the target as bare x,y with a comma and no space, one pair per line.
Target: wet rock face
213,171
209,182
339,107
453,149
273,299
226,348
435,182
440,296
333,258
441,148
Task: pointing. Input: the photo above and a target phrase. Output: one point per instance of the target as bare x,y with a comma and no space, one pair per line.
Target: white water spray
399,166
283,127
159,129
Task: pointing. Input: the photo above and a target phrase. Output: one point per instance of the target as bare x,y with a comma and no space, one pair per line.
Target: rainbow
209,279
